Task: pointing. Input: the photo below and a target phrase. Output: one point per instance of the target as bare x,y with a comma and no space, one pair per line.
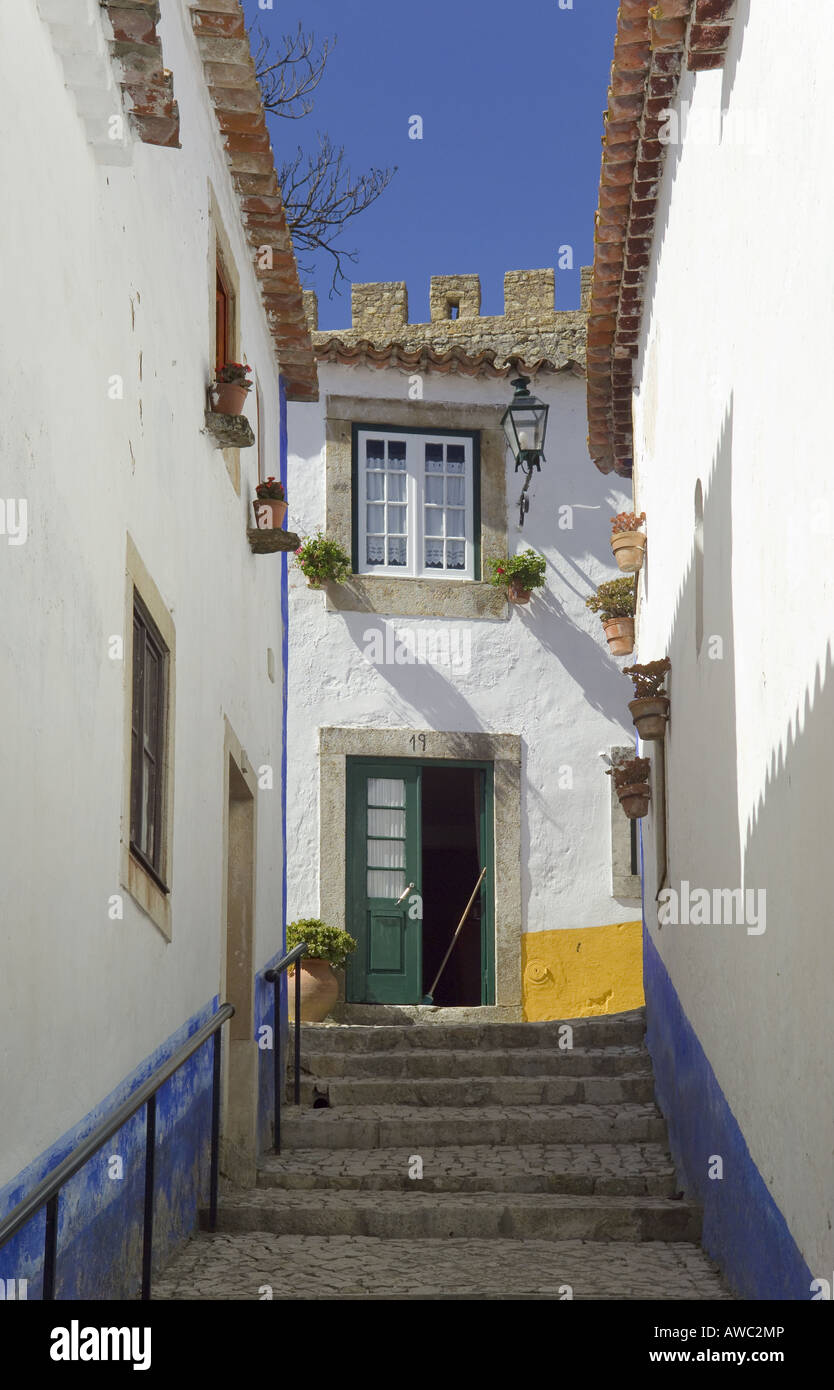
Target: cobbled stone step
612,1169
393,1126
544,1172
417,1062
244,1266
609,1030
481,1091
456,1216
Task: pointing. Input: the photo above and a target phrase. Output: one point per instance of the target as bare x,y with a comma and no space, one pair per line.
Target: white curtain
386,837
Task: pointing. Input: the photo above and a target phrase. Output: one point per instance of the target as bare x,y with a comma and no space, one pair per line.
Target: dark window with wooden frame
147,762
222,319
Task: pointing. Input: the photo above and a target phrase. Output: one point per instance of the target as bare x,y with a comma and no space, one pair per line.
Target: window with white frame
415,504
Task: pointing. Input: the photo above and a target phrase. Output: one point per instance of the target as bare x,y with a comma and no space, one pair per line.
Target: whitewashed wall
106,271
545,674
734,388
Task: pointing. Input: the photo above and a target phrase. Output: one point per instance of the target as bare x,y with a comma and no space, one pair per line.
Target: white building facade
144,643
710,305
434,728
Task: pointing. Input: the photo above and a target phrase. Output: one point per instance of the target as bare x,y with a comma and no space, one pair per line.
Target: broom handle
458,930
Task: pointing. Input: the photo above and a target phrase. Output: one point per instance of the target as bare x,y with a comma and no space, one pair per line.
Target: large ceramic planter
650,715
319,989
629,548
620,635
516,594
634,799
229,397
269,512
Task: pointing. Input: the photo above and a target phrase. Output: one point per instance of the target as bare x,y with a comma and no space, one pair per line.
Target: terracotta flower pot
319,989
650,715
269,513
229,397
629,548
634,799
620,635
516,594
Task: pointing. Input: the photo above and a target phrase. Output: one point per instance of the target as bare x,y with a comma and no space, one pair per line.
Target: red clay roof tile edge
229,68
651,44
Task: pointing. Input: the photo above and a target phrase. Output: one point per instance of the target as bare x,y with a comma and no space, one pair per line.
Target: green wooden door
384,862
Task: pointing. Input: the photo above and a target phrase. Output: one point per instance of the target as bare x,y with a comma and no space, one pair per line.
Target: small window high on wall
148,743
223,319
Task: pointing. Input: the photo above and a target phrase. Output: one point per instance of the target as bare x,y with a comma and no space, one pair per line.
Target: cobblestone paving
422,1062
386,1126
585,1168
517,1199
230,1266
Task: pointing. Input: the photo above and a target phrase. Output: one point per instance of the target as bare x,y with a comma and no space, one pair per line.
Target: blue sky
511,99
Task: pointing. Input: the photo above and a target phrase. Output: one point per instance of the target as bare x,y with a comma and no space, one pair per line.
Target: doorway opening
418,836
451,833
237,984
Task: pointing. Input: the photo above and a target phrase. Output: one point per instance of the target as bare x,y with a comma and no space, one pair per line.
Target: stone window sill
417,598
145,892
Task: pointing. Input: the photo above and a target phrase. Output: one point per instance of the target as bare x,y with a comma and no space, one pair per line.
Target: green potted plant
650,706
614,601
322,560
627,540
326,947
519,575
230,389
631,783
270,505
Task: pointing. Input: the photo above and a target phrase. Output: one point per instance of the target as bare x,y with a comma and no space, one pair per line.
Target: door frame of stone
239,1085
503,751
487,818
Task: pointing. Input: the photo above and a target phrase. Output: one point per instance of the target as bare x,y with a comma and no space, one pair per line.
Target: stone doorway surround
239,1086
336,745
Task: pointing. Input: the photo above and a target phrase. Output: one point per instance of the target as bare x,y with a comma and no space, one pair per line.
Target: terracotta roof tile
147,85
650,46
229,69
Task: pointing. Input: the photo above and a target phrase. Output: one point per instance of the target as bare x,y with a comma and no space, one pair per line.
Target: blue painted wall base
744,1230
100,1212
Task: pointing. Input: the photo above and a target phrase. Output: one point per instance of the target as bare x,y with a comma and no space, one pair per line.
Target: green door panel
384,859
384,856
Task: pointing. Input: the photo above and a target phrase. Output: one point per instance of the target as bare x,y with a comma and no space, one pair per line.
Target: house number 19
418,738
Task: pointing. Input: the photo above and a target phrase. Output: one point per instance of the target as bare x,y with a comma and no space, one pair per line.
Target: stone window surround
132,875
411,597
336,745
624,884
220,250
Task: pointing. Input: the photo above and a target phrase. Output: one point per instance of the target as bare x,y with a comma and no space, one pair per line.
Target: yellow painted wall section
582,971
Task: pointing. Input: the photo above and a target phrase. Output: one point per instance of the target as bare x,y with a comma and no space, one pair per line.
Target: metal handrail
48,1191
274,976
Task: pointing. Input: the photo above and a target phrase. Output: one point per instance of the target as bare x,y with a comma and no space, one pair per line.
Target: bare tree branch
320,193
286,82
320,197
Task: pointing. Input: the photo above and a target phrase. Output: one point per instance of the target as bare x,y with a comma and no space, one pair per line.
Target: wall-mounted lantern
525,424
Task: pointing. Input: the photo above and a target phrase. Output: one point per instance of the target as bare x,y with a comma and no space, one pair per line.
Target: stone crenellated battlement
531,328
